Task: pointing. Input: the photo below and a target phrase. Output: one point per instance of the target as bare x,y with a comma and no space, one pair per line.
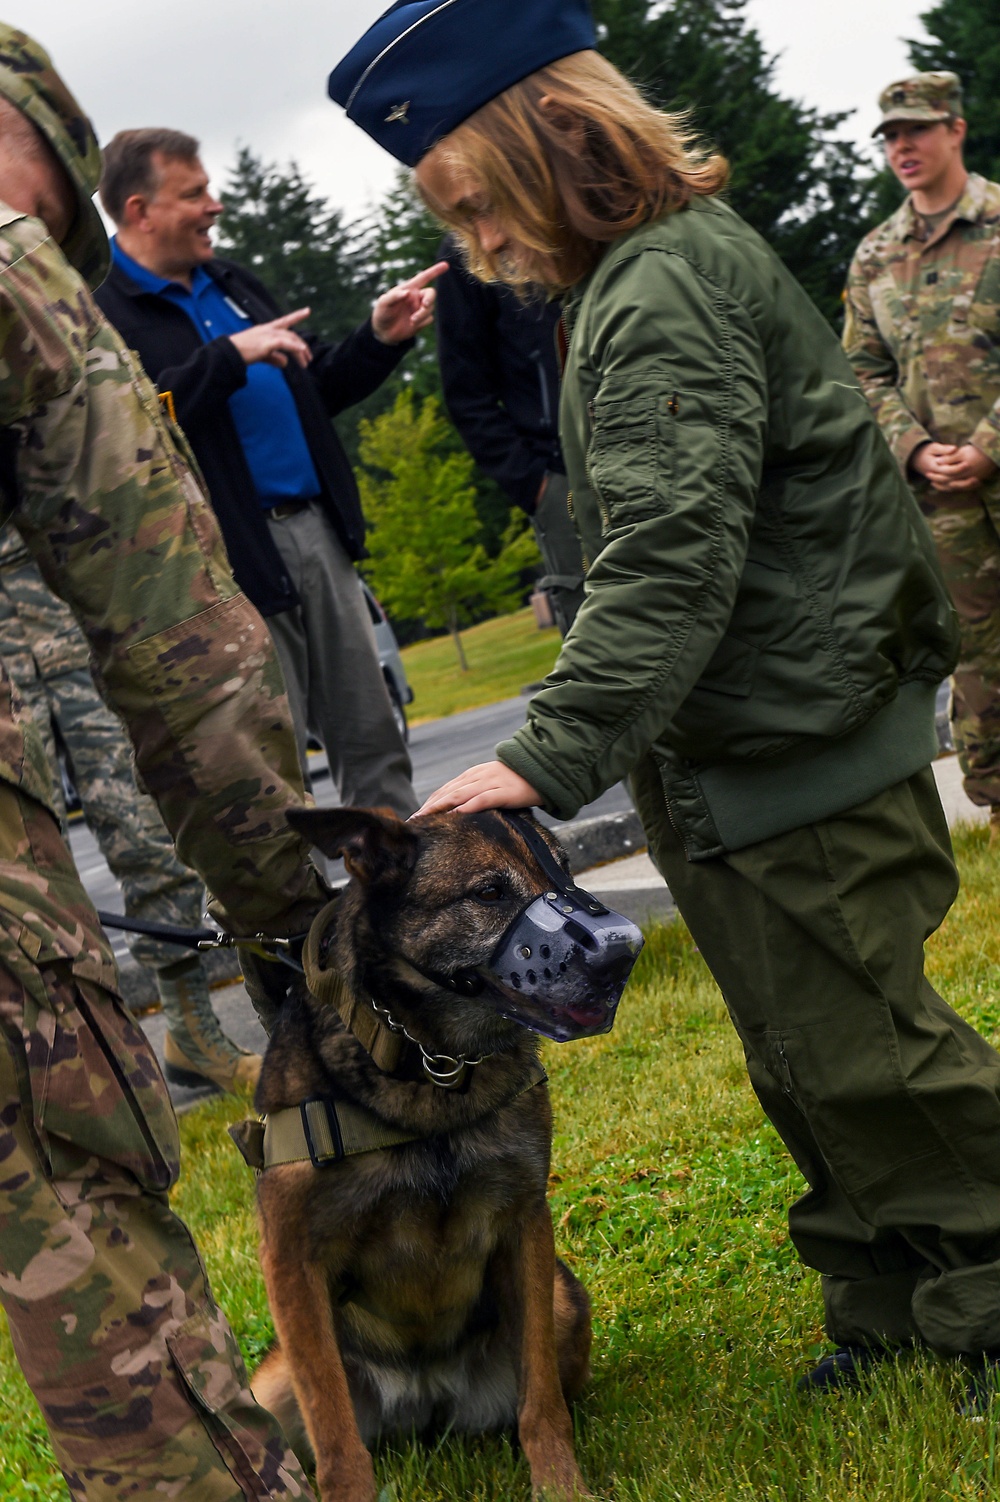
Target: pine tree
965,39
296,243
426,554
806,190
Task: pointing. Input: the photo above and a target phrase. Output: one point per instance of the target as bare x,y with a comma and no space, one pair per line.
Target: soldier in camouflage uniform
46,654
923,335
135,1368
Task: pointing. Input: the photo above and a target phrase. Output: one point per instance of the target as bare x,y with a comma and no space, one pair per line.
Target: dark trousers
888,1101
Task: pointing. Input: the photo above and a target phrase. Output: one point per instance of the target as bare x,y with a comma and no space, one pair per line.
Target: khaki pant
888,1101
966,531
330,661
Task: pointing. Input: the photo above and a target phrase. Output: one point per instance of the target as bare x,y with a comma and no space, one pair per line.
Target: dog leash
287,951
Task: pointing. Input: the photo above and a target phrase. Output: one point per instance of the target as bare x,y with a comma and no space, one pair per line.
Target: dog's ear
375,844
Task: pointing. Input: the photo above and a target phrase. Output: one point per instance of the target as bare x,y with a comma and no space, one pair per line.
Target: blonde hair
595,161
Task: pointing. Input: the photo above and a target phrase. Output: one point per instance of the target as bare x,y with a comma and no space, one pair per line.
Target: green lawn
504,655
668,1192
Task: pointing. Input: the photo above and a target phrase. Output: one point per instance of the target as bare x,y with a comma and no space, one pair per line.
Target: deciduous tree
427,558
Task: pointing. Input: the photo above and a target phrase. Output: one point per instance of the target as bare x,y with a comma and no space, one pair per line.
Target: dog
414,1285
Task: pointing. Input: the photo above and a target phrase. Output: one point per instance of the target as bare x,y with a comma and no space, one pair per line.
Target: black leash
287,951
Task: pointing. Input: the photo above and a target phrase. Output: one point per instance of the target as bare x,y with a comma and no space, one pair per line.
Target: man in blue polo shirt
255,398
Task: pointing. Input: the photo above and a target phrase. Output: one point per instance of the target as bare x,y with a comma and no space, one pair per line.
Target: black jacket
202,377
500,375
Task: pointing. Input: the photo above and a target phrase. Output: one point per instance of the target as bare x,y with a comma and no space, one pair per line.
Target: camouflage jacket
102,494
923,324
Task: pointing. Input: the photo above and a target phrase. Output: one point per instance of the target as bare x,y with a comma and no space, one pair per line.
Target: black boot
842,1369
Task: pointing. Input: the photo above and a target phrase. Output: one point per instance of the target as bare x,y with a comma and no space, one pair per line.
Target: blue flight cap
427,65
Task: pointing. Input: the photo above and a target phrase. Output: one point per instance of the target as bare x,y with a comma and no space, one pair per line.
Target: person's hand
950,466
490,785
274,343
404,310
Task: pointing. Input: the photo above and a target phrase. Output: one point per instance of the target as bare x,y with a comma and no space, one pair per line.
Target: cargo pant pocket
211,1370
96,1088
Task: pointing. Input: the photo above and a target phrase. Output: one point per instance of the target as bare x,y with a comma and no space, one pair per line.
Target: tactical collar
325,1129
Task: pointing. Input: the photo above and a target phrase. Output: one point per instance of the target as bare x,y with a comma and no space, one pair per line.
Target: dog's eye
490,891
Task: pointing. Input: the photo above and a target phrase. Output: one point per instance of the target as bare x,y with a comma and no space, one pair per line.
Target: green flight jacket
764,613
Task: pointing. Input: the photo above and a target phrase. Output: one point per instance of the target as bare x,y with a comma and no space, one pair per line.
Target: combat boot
196,1050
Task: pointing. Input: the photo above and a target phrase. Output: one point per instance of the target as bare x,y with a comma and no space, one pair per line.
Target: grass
669,1194
504,655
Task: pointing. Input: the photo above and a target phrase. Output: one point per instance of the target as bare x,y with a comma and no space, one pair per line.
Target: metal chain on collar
446,1078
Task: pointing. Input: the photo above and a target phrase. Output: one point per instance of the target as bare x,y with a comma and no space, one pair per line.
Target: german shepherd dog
415,1286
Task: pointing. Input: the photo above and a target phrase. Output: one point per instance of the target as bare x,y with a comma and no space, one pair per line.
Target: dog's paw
559,1480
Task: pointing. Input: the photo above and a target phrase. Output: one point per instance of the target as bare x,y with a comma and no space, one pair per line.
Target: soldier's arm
876,369
123,533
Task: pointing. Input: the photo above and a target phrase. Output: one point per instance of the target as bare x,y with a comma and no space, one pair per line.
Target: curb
605,837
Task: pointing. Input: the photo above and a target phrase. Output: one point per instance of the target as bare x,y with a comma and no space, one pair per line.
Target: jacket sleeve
123,533
203,384
470,380
675,456
346,373
877,371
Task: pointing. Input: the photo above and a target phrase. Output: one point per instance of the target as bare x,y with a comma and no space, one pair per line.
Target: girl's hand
490,785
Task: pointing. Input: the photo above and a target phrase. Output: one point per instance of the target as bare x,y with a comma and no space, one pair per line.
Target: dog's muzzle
561,966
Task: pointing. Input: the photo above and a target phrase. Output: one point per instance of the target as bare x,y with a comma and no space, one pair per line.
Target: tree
426,557
807,191
297,243
965,39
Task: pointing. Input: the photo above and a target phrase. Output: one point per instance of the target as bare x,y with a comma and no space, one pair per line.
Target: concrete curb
606,837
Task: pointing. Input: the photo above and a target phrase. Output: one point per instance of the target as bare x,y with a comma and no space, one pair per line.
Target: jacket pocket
96,1088
629,461
730,669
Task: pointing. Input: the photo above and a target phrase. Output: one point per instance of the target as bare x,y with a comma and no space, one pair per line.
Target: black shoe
982,1385
842,1369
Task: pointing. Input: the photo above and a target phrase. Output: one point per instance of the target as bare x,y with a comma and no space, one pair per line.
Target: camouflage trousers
135,1368
124,821
966,530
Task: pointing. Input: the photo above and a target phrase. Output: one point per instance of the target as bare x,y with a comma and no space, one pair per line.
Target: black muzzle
560,967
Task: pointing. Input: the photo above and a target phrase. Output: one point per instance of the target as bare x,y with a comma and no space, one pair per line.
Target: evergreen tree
965,39
426,555
806,190
297,243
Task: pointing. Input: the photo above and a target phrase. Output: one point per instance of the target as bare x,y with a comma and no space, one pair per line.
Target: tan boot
196,1050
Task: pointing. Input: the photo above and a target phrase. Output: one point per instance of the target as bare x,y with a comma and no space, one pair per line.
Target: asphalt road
439,749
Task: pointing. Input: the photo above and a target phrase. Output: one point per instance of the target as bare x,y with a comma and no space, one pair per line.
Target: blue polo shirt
264,411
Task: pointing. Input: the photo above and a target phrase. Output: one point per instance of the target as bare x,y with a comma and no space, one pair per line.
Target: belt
288,508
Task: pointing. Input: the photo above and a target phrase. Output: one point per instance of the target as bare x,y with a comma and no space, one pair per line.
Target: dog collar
380,1035
324,1130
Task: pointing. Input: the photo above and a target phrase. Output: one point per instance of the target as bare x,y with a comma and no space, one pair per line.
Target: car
400,692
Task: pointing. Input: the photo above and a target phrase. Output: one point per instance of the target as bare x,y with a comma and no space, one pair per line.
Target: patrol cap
28,80
926,96
427,65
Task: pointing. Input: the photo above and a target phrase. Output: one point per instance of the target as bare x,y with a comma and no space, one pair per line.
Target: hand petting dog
491,784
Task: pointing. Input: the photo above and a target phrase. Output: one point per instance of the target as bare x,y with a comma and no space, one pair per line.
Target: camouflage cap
28,80
926,96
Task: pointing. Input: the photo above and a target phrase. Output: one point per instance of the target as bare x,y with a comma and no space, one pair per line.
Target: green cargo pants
888,1101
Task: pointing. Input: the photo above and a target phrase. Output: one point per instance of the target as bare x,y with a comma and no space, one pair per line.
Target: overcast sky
254,71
